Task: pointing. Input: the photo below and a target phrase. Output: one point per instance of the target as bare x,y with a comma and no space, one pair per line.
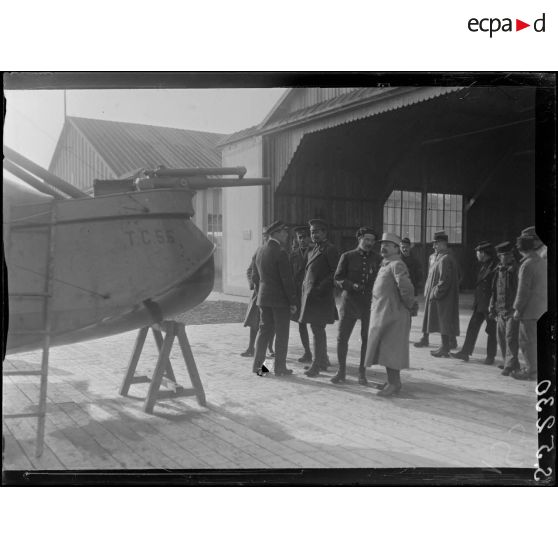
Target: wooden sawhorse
163,373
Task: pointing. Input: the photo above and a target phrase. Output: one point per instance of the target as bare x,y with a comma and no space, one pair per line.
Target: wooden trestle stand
163,373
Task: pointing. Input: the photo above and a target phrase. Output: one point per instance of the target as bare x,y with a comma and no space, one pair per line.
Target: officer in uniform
355,275
318,293
298,259
276,298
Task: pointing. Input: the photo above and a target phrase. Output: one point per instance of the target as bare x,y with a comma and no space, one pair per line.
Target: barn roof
126,146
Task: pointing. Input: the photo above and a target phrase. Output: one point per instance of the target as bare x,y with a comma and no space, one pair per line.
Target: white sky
34,119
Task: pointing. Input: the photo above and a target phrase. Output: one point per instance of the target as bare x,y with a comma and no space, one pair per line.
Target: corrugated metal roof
379,99
126,146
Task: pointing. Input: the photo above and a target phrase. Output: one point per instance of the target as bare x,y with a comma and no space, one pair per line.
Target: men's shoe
339,378
261,371
460,355
247,353
322,367
506,371
523,375
441,353
390,390
283,372
422,343
453,344
489,361
306,357
501,366
312,372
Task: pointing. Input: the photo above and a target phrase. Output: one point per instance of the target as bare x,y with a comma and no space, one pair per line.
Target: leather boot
422,342
339,378
362,377
461,356
306,357
313,371
394,384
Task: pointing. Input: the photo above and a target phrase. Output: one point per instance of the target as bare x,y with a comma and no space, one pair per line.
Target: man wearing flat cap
504,289
318,293
298,259
393,303
276,298
441,295
530,303
486,255
355,275
540,247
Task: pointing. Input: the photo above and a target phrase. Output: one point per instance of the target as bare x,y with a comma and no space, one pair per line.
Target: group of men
509,297
380,290
376,289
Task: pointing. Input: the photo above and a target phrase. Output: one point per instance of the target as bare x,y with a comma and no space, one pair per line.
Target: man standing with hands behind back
276,298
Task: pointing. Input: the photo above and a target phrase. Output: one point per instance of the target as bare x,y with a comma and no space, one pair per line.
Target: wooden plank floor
449,413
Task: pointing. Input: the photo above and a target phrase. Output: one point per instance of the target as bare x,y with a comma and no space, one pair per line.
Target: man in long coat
252,318
318,293
276,298
486,255
441,304
413,265
393,303
530,303
298,259
355,275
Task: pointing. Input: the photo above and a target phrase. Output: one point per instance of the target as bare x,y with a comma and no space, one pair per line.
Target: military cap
441,235
405,241
275,227
390,237
318,224
529,231
366,230
302,229
484,246
504,247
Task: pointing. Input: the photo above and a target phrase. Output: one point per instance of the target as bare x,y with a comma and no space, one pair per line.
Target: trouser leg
271,339
491,344
501,329
264,333
445,343
304,337
512,343
253,334
364,327
472,333
528,343
281,318
320,344
346,325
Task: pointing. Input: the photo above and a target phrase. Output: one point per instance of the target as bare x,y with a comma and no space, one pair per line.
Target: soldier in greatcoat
486,255
355,275
318,294
504,289
298,259
393,303
530,303
276,298
441,295
252,319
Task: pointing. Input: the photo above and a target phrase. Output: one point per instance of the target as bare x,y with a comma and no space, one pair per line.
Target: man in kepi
530,303
318,293
441,296
355,275
298,259
504,289
276,298
393,303
486,255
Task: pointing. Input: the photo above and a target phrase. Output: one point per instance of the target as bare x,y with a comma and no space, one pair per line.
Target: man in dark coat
486,255
413,265
355,275
318,293
504,289
276,298
252,319
298,259
441,295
